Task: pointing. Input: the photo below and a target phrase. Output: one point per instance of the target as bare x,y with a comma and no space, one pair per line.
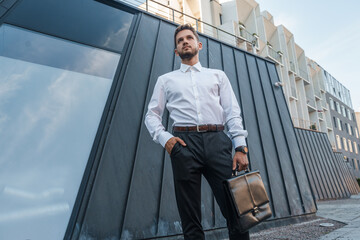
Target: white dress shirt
194,95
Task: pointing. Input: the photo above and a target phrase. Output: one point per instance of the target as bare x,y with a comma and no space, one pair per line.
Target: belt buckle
198,130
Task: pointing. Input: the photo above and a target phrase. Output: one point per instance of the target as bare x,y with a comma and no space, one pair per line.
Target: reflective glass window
52,96
84,21
345,144
332,104
338,141
355,147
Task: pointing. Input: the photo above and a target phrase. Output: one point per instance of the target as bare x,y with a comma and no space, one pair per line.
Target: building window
343,110
335,124
350,146
220,16
346,128
356,132
57,90
345,144
332,104
338,141
352,130
349,114
339,124
338,107
355,148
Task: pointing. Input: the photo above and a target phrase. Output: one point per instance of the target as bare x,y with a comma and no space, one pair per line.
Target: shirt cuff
164,137
239,141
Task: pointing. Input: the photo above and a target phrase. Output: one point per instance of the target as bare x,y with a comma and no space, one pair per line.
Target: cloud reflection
52,209
10,191
51,103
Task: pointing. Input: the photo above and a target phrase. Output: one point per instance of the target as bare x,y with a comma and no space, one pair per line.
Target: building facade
345,127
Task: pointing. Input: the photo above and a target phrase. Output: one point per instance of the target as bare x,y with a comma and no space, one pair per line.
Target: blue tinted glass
52,95
90,22
27,46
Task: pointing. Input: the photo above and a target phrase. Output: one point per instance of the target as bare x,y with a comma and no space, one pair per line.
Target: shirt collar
185,67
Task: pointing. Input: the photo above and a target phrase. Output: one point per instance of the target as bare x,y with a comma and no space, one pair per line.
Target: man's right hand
171,142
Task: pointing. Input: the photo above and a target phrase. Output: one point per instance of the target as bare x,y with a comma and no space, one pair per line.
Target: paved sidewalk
346,211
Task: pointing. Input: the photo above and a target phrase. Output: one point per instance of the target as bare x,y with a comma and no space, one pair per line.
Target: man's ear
200,45
176,52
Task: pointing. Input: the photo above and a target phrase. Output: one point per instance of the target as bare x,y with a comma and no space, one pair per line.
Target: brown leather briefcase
248,199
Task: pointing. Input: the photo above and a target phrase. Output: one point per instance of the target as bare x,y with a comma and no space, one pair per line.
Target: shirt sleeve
232,113
153,118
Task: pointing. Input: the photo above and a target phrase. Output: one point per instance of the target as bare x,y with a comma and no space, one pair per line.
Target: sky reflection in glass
52,95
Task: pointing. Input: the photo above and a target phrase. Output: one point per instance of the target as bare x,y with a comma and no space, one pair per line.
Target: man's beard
188,55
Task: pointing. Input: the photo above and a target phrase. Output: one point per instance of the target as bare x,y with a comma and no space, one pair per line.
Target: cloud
53,209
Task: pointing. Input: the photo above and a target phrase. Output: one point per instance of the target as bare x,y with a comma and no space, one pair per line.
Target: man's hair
183,27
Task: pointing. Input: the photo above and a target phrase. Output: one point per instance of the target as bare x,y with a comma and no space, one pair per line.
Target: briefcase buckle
256,211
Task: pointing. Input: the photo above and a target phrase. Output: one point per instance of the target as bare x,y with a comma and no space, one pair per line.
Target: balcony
317,93
305,124
311,104
246,35
320,115
292,67
293,92
323,103
274,55
179,17
304,74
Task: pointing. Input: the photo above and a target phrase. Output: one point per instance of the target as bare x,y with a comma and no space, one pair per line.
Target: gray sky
328,31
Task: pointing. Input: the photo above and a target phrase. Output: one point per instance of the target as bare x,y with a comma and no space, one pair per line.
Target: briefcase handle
235,172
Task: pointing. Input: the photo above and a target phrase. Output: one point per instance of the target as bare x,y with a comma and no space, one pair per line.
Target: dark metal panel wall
133,196
328,174
348,174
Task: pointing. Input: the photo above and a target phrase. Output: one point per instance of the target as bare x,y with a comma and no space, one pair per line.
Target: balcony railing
310,102
304,74
317,92
275,55
293,91
302,123
323,103
321,115
292,66
179,17
246,35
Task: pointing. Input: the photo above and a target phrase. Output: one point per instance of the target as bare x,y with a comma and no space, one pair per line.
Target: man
200,101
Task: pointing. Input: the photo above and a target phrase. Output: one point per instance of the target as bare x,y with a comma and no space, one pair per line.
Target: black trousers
210,154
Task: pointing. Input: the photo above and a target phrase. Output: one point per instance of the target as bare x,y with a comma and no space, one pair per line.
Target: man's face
187,45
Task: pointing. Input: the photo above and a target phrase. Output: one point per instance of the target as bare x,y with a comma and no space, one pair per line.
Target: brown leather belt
200,128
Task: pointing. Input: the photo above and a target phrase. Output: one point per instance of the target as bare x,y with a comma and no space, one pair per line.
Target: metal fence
179,17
